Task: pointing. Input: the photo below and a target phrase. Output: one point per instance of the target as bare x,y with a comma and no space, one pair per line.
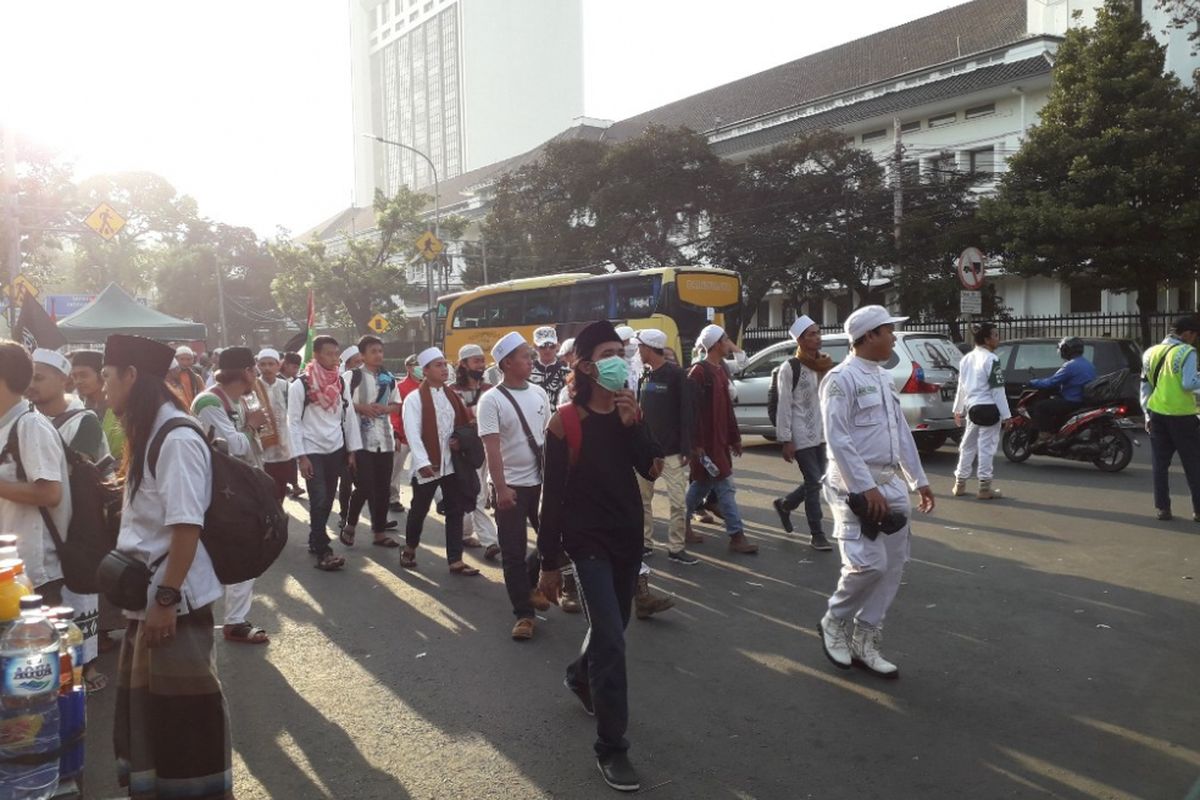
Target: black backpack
773,392
245,528
95,515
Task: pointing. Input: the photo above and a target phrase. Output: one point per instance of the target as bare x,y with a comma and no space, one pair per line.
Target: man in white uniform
869,444
981,399
277,457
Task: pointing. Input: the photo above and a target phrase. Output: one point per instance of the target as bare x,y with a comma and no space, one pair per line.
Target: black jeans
372,484
344,488
1049,415
812,462
514,546
606,591
327,467
421,500
1169,435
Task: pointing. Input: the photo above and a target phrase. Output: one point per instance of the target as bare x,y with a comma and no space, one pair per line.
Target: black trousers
345,487
1168,436
372,485
1049,415
326,469
417,512
520,571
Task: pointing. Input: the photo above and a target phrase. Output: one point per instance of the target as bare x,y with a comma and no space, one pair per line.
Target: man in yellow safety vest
1169,380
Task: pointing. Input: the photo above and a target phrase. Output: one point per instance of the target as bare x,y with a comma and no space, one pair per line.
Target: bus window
503,309
588,301
541,307
636,296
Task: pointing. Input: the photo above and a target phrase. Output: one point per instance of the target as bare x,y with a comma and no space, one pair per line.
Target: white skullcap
867,319
184,350
267,352
428,356
567,346
508,343
174,364
652,337
710,335
349,353
52,358
802,323
469,351
625,332
545,335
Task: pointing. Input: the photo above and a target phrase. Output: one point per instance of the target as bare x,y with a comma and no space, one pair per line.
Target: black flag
296,343
36,329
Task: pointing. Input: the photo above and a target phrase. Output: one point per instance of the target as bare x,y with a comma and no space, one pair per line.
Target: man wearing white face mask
632,357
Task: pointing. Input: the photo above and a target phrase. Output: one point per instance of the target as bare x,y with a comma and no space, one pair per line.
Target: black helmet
1070,347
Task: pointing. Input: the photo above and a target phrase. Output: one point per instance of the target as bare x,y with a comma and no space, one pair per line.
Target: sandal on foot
472,541
385,542
245,633
346,536
408,558
95,682
463,569
329,562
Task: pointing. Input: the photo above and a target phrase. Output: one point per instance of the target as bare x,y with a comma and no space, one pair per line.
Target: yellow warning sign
379,324
21,288
105,221
429,246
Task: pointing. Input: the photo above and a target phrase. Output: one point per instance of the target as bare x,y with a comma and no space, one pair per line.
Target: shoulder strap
13,447
66,416
1158,368
355,379
533,445
157,442
795,364
572,430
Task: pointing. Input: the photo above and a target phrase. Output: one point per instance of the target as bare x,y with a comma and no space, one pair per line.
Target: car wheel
930,442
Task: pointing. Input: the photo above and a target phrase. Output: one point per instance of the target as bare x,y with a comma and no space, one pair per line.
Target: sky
245,104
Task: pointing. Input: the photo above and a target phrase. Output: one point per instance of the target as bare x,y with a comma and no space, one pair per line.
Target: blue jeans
606,591
812,462
321,486
726,500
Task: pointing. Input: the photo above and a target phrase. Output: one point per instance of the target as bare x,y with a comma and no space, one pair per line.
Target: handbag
124,580
985,415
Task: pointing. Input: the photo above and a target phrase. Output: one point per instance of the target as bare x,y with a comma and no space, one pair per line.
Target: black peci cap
147,355
235,358
595,334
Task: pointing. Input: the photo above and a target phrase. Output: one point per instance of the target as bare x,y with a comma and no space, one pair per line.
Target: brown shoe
539,600
472,541
523,630
690,536
646,603
739,544
569,602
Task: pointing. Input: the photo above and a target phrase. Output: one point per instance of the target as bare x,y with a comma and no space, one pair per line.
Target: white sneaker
864,648
960,488
835,641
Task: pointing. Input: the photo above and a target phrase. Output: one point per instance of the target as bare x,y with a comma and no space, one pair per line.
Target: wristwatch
167,597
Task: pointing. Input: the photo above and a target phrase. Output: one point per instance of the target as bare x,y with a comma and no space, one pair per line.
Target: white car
924,366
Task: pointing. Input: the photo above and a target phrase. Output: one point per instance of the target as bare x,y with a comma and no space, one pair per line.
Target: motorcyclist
1075,373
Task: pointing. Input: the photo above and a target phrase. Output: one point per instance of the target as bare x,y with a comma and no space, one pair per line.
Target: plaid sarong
171,731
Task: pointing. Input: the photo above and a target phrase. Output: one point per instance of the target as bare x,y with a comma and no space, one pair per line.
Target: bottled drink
64,657
11,593
29,710
72,702
710,467
74,642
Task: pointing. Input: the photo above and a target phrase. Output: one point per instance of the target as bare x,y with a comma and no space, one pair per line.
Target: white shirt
981,382
277,395
377,435
865,428
798,418
411,415
496,415
44,459
318,430
242,444
178,496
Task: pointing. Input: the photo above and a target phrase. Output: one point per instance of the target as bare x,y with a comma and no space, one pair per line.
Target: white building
467,82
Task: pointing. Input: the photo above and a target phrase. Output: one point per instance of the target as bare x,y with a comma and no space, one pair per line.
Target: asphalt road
1047,643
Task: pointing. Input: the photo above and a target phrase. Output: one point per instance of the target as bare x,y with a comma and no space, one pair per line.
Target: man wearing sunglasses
548,372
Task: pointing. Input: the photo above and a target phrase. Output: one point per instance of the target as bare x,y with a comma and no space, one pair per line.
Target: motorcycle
1095,433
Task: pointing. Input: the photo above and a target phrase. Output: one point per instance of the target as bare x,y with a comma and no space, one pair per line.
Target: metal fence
1113,326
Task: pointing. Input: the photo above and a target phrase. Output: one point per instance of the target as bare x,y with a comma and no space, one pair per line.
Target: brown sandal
328,562
408,558
461,568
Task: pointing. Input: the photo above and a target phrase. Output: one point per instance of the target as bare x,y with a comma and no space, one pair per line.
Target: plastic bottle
29,708
74,641
72,703
11,593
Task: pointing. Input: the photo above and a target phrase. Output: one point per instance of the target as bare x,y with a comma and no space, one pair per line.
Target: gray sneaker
683,557
818,542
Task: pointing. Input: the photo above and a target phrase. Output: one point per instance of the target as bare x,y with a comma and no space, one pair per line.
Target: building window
910,127
1085,299
980,111
874,136
983,161
944,119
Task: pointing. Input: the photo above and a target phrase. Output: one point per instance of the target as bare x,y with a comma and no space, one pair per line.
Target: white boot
864,648
960,488
835,640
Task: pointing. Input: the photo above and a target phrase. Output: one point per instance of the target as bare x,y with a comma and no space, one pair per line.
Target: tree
1183,14
1105,191
46,199
356,278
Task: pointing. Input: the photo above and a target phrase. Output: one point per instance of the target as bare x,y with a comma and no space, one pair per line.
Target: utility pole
13,257
221,305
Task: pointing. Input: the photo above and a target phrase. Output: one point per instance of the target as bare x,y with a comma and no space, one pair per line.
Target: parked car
1025,359
924,367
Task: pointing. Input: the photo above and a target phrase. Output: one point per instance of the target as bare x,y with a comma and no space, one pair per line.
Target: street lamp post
437,219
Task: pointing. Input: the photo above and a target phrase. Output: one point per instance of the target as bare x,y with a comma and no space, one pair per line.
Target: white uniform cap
184,350
428,356
52,358
469,351
545,335
349,353
802,323
267,352
625,332
710,335
652,337
508,343
567,346
867,319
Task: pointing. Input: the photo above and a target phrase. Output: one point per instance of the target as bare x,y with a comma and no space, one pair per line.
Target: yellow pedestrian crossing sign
379,324
105,221
21,288
429,246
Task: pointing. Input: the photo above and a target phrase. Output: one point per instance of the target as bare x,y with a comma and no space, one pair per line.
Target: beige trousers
675,478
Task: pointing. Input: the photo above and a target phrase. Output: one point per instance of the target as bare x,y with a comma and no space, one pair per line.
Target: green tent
114,311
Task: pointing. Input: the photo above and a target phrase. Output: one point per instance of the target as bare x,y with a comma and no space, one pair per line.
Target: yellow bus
679,301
